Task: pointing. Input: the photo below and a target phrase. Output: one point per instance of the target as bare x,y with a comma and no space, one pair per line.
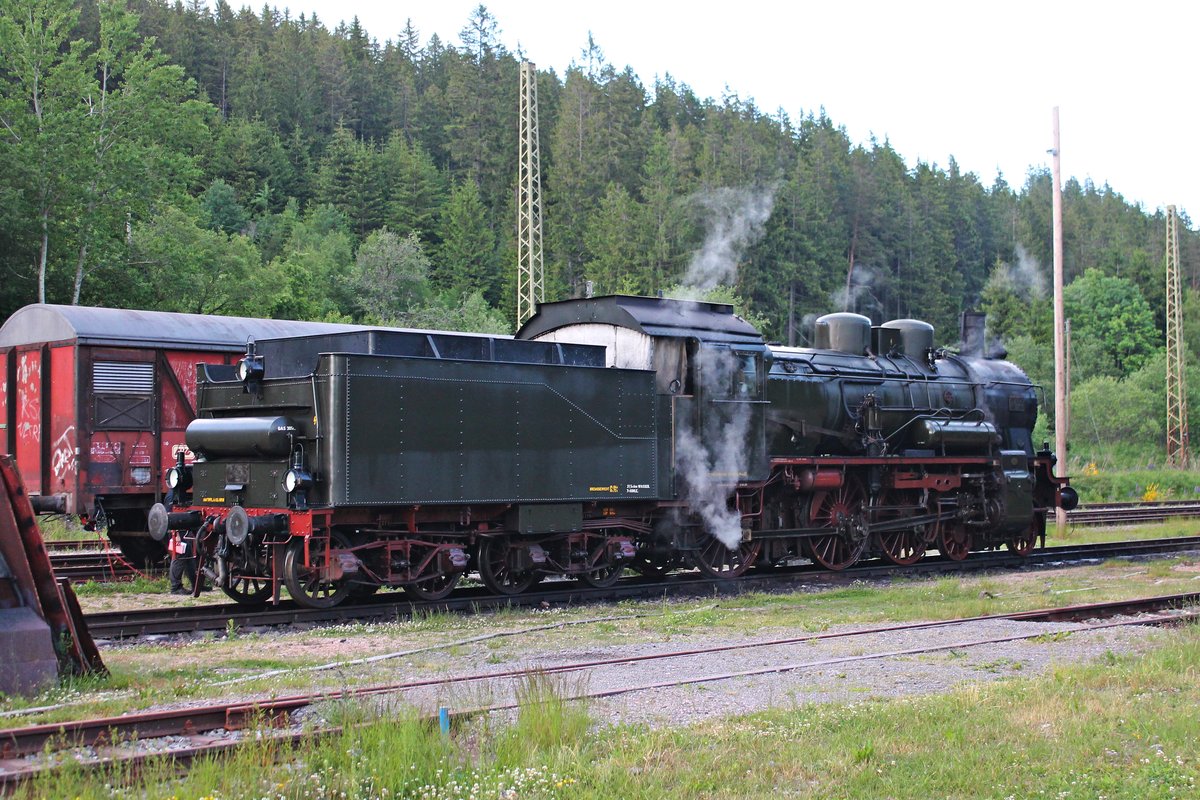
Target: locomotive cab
710,368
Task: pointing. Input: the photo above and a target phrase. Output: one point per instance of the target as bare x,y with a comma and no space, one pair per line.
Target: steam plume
711,461
734,220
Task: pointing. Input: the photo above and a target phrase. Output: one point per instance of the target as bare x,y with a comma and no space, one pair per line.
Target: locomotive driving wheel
1023,543
954,540
653,565
716,560
839,510
500,566
903,547
304,582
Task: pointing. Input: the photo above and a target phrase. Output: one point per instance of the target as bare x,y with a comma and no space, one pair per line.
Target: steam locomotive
611,433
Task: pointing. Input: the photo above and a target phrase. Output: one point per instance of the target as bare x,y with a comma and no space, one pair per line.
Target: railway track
211,729
91,559
392,605
101,566
1132,513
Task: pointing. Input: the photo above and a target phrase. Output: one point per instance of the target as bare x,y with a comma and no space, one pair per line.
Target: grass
1111,486
1123,727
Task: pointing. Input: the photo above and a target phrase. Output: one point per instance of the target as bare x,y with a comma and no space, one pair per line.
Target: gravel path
847,682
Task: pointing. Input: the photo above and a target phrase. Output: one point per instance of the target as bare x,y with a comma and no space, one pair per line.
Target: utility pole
531,288
1060,374
1177,418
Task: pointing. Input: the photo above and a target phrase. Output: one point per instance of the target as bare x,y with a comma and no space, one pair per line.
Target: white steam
858,294
1026,279
710,462
734,220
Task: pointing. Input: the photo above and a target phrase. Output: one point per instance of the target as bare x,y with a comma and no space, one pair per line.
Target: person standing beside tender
183,562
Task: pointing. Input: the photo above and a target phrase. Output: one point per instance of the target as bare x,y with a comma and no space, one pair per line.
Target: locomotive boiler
611,433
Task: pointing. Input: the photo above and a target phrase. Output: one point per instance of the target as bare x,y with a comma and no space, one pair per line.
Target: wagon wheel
903,547
1023,543
496,568
435,588
954,540
718,561
838,509
304,583
249,590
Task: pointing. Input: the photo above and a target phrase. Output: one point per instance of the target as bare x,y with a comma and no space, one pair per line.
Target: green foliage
391,275
309,279
184,267
220,209
1111,313
95,133
470,313
467,254
1123,486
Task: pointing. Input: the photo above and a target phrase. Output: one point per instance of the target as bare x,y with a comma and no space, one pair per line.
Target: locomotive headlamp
250,369
295,479
179,477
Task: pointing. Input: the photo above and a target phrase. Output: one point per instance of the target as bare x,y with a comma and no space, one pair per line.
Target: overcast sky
974,80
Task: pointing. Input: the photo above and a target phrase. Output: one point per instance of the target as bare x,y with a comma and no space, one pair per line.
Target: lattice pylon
1177,418
531,286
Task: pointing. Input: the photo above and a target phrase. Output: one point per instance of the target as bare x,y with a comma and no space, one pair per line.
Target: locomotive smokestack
971,327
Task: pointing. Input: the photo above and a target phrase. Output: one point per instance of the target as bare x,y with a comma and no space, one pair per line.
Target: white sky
973,80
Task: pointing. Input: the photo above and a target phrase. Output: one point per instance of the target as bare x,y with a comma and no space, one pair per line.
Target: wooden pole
1060,373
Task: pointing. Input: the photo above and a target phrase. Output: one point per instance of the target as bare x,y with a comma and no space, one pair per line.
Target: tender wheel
718,561
839,510
496,557
954,540
435,588
249,591
899,547
604,577
304,583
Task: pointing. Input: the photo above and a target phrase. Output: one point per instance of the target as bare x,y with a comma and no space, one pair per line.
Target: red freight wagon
94,403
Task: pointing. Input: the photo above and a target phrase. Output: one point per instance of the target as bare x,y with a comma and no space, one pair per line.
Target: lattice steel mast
1177,421
531,288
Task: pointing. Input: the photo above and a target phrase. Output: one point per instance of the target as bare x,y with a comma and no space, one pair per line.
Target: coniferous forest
193,157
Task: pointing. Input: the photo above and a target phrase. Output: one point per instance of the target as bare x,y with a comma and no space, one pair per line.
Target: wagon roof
117,327
653,316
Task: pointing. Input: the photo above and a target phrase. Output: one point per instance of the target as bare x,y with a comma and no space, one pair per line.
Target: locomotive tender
612,432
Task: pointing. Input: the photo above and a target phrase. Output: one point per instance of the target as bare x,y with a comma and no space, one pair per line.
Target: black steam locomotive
611,433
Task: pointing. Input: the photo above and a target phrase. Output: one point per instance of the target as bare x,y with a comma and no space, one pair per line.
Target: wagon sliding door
123,405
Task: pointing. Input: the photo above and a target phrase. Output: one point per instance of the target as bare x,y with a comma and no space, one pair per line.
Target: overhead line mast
531,288
1177,418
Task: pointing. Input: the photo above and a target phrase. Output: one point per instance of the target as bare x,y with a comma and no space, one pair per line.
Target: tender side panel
429,431
63,433
28,448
